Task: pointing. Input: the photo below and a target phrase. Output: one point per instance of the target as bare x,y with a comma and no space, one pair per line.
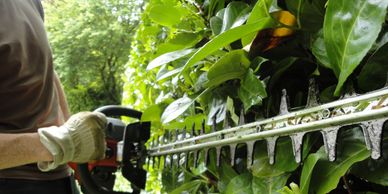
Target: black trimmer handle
87,181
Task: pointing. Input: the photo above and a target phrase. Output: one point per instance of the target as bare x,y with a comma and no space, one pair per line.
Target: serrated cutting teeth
368,111
329,140
297,140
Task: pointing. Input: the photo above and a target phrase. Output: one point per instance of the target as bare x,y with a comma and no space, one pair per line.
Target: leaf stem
346,184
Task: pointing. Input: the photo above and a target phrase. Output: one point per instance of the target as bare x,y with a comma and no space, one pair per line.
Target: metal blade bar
306,127
348,111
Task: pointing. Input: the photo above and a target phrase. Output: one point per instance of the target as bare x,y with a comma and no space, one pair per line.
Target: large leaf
241,184
179,41
231,66
325,175
235,14
349,33
176,108
166,72
159,15
259,11
189,187
318,49
226,174
248,184
252,90
269,185
226,38
307,171
168,57
374,74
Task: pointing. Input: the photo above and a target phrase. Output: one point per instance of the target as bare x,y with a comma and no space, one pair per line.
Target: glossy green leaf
216,23
189,187
226,174
179,106
159,15
374,73
318,49
168,57
241,184
176,108
186,123
233,65
248,184
252,90
235,15
152,114
325,175
307,171
226,38
165,72
349,33
259,11
179,41
293,189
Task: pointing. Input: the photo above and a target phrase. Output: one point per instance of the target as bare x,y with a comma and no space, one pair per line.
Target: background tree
91,41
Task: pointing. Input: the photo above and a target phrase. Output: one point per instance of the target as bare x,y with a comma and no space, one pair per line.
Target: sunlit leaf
349,33
231,66
226,38
293,189
164,72
159,14
234,15
259,11
168,57
176,108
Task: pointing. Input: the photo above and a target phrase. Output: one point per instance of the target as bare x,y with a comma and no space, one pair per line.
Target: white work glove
80,139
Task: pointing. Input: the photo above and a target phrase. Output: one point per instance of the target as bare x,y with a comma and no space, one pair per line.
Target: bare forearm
20,149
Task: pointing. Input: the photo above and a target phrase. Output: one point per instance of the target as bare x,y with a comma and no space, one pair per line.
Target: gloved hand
80,139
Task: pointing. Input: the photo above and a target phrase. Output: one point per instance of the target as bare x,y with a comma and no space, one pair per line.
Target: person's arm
20,149
80,139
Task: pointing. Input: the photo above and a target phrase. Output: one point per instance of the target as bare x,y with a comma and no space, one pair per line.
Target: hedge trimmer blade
368,111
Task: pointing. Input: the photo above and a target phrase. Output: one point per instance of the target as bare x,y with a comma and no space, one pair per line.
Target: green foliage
325,175
350,33
90,41
217,59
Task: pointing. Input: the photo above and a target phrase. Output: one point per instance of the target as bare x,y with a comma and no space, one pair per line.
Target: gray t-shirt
30,92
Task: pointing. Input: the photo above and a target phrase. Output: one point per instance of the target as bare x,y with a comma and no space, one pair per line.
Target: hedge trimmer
368,111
